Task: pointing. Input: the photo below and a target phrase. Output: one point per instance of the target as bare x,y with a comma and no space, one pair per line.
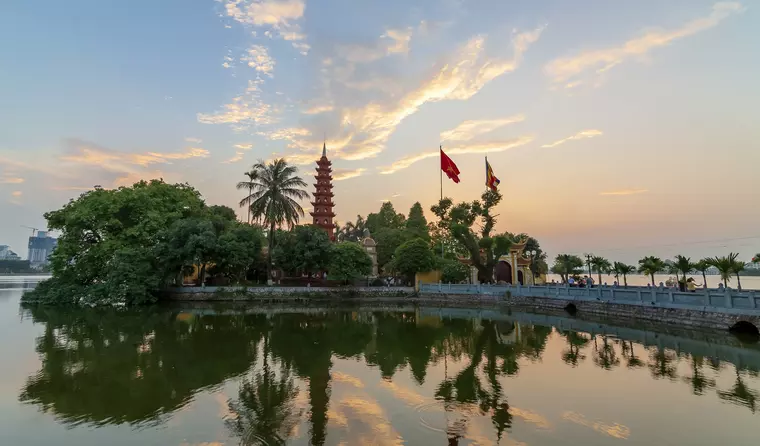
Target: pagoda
322,205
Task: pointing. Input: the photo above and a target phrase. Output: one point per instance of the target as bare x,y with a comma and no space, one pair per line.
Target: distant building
7,254
752,266
40,248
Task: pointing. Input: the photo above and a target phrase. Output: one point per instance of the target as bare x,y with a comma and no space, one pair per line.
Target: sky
624,128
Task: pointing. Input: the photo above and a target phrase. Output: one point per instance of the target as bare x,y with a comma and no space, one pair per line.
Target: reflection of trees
627,350
699,382
264,412
605,357
105,366
575,341
661,363
740,394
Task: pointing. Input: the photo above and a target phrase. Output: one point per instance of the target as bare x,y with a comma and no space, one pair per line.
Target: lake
217,375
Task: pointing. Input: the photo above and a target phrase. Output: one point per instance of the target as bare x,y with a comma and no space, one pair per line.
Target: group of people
587,281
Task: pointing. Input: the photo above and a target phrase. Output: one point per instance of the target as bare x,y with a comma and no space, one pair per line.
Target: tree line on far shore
569,265
126,245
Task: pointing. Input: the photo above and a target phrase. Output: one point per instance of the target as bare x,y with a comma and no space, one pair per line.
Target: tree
354,231
483,249
726,266
102,230
601,265
756,259
275,189
191,242
683,265
567,265
650,266
623,269
413,257
388,240
349,261
453,271
249,186
702,266
736,269
538,263
416,224
304,249
386,218
238,249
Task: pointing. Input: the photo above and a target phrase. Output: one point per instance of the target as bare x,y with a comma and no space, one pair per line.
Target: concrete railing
703,299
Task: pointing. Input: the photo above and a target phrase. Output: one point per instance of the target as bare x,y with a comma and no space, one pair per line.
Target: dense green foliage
125,245
600,265
650,266
621,269
303,249
727,266
412,257
386,218
416,223
453,271
349,261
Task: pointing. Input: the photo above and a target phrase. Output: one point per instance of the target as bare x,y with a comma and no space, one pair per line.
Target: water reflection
103,367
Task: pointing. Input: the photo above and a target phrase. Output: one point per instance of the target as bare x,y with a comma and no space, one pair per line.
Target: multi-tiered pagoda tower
322,205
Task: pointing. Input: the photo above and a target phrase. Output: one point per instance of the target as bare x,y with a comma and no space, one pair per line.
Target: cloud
17,193
258,58
564,70
400,39
317,109
287,133
279,16
365,130
392,41
245,110
11,180
580,135
625,192
345,174
243,146
190,139
238,156
468,130
462,149
83,152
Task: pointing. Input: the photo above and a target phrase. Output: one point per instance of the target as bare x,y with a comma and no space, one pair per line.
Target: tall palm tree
275,189
725,266
756,259
650,266
624,270
738,267
702,266
682,265
249,186
601,265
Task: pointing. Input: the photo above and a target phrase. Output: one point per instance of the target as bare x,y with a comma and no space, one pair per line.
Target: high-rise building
322,213
40,248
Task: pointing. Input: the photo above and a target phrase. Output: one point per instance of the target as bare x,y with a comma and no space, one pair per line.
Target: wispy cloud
17,193
580,135
364,131
345,174
462,149
238,157
565,70
243,146
280,17
317,109
625,192
83,152
193,140
11,180
244,111
258,58
468,130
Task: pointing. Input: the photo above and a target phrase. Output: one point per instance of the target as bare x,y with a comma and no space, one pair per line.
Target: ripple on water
452,422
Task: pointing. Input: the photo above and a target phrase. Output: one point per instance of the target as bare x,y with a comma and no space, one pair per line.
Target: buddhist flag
448,166
491,180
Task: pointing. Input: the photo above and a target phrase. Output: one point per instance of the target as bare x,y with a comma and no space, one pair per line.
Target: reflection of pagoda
323,205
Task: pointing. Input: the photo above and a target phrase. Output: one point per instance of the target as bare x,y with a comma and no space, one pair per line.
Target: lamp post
532,253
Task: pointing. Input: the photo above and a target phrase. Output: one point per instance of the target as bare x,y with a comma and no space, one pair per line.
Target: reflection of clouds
530,417
348,379
367,423
407,395
615,430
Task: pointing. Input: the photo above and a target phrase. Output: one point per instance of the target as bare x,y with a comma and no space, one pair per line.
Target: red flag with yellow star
449,167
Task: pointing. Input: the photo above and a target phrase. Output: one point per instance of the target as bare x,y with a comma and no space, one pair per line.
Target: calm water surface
216,376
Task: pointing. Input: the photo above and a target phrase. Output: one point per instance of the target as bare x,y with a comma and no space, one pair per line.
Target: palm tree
622,268
737,268
275,189
601,265
248,185
702,266
650,266
756,259
725,266
682,265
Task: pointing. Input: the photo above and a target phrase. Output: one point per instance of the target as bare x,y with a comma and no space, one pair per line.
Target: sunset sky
621,128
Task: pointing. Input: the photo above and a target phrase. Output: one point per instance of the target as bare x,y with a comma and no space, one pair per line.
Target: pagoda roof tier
329,186
324,162
322,214
329,204
324,177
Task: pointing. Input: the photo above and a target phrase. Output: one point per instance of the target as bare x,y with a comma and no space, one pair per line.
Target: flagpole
440,174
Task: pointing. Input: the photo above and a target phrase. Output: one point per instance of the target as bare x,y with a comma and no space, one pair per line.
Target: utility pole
588,263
